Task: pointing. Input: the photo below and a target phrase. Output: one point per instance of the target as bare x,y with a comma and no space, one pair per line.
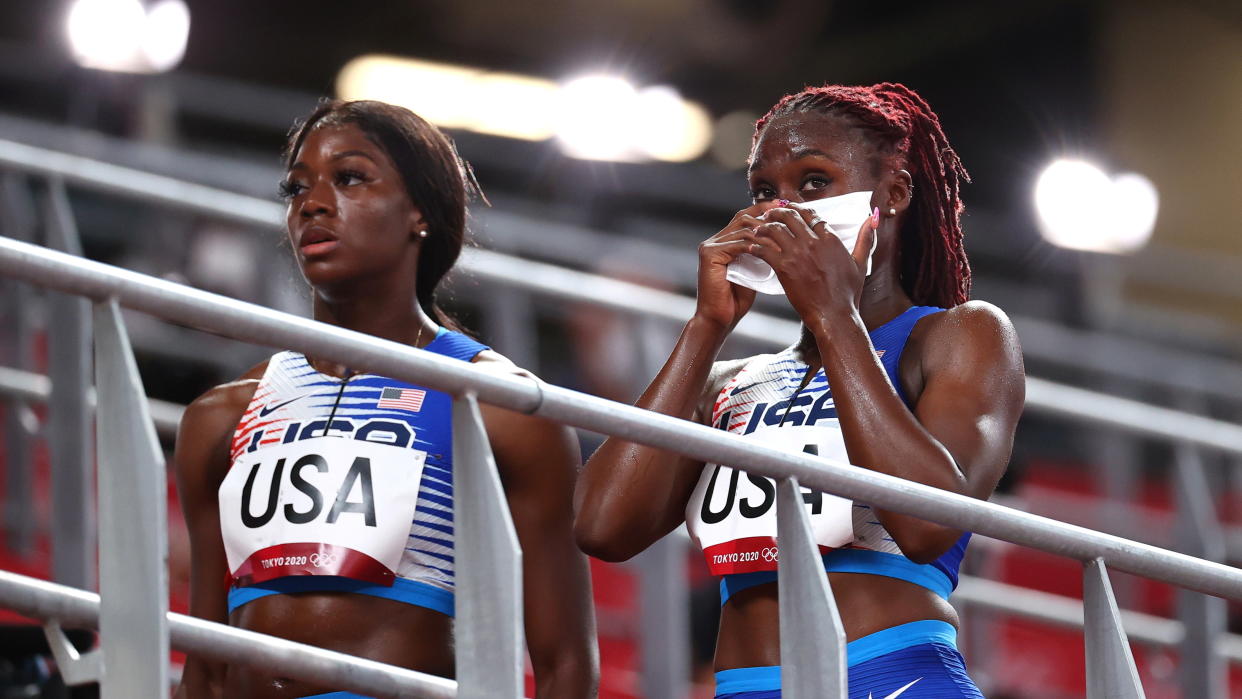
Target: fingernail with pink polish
785,202
875,215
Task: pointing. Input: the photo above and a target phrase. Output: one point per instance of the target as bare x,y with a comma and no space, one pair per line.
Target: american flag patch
402,399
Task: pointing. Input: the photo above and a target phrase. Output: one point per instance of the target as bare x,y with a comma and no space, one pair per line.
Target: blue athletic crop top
759,397
294,402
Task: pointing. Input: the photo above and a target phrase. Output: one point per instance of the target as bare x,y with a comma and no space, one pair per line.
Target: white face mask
844,215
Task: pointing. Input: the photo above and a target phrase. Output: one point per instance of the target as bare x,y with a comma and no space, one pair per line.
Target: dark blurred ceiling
1008,79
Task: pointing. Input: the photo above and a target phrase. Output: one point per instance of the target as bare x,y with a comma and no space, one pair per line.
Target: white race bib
732,514
320,506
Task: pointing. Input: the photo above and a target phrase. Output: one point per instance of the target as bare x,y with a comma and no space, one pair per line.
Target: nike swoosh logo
736,391
898,693
269,409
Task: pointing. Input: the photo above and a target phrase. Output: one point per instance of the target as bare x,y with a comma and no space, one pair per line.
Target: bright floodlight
597,114
1081,208
595,117
125,36
667,127
605,118
458,97
167,31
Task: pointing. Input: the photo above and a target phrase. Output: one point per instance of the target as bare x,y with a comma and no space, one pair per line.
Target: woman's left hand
821,278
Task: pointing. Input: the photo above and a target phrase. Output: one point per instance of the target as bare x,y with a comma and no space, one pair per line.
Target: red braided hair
906,135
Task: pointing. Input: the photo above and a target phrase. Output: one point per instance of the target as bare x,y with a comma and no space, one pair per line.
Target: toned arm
538,462
200,460
631,495
960,433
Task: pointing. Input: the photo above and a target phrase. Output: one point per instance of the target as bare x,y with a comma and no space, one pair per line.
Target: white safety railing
972,591
1113,668
1182,428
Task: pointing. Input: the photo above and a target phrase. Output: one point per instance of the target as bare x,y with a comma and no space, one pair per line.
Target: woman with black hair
319,500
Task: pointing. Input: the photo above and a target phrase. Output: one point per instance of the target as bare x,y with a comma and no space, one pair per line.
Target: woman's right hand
720,301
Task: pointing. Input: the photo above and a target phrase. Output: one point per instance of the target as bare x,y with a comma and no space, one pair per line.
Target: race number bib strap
311,559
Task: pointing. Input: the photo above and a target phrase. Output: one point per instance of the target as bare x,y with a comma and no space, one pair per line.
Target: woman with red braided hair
896,371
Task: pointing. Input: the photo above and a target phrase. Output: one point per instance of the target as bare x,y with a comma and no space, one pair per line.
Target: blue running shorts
918,660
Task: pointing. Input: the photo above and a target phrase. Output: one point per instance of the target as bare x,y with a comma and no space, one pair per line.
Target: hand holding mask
843,215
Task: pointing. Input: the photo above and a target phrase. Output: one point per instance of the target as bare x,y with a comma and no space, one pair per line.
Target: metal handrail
1112,668
78,608
987,594
28,386
558,282
266,327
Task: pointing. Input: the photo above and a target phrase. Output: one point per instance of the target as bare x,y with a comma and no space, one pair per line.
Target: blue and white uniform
362,505
732,515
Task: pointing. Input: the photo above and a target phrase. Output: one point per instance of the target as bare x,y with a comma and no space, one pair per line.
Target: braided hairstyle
905,134
438,181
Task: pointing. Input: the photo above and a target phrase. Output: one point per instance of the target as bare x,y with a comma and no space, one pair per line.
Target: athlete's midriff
750,633
383,630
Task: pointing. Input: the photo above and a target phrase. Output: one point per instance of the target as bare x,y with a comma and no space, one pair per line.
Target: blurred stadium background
610,138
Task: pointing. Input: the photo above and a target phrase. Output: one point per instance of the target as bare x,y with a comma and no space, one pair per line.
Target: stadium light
1081,208
670,128
126,36
167,31
597,117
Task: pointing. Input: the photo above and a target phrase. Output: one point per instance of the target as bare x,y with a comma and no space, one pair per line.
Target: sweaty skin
962,370
354,231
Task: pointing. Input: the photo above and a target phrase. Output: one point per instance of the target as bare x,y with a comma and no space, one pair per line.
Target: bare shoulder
209,421
972,327
973,320
981,336
227,398
521,441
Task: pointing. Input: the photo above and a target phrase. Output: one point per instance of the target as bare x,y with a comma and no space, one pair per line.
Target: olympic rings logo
323,560
771,554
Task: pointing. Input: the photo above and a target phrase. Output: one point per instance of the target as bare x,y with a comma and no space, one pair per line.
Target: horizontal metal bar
126,181
558,282
75,608
264,326
1062,611
997,596
1132,416
37,388
1042,396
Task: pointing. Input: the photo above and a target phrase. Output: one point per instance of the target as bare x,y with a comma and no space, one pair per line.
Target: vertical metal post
20,524
510,323
664,619
69,441
16,350
133,518
1198,533
1111,672
488,563
979,635
813,662
664,593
